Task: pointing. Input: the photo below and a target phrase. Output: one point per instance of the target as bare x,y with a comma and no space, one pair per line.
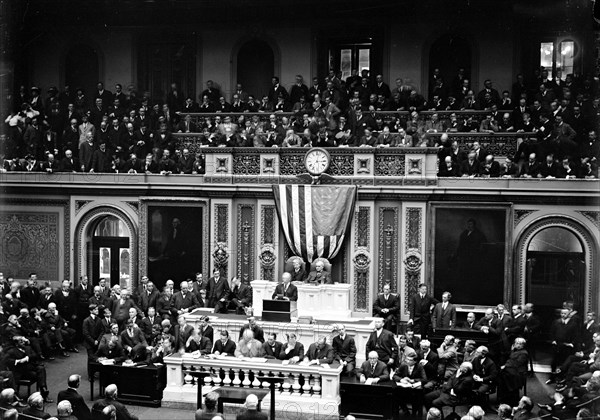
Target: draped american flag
315,218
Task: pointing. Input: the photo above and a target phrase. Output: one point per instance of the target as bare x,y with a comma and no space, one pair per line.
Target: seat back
289,264
326,264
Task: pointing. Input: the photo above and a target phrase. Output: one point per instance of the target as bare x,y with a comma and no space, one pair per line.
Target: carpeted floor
60,369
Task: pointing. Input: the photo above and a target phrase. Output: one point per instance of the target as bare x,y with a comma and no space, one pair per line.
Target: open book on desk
406,384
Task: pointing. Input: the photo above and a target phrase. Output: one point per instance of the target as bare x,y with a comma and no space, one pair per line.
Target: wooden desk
378,401
228,394
140,385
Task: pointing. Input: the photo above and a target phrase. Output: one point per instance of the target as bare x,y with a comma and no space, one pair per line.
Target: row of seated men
70,406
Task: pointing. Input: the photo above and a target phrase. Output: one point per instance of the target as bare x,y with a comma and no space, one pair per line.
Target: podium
278,310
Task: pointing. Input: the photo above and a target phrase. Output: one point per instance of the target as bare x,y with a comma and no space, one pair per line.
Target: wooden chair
25,382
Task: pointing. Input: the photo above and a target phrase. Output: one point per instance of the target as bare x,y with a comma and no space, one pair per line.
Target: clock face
316,161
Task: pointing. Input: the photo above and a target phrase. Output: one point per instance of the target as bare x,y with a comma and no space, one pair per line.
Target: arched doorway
82,68
109,251
449,53
255,67
555,269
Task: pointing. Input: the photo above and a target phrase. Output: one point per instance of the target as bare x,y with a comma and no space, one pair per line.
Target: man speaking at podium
286,290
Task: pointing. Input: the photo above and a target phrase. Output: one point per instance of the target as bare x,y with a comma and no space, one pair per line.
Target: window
558,57
347,57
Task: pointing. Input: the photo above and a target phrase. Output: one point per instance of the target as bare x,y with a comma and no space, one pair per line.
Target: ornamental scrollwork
361,259
413,261
267,256
220,255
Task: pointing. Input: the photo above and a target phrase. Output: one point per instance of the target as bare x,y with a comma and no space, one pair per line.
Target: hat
35,88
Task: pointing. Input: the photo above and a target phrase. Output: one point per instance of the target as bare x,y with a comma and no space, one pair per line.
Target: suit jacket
182,335
146,325
92,331
291,293
323,278
488,371
384,345
80,408
418,373
421,308
188,302
122,412
164,305
462,385
298,350
66,305
345,350
252,415
146,300
106,324
380,371
30,296
431,367
117,353
243,295
134,340
272,352
444,318
228,348
392,303
217,291
324,355
34,412
298,276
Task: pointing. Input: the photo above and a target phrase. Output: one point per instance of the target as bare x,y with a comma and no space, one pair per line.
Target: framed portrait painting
173,240
470,252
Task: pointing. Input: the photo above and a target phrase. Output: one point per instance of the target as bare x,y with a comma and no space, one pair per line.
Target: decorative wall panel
413,252
30,242
388,248
245,242
361,260
268,254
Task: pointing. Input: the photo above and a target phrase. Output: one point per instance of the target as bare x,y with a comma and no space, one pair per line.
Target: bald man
373,369
251,412
80,408
110,395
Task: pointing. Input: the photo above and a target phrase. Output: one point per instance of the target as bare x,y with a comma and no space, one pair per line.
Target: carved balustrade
312,391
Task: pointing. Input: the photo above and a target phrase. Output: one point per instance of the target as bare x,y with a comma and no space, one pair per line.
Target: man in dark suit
298,273
382,341
409,373
30,294
134,342
225,345
485,373
319,276
429,360
320,352
241,296
286,290
92,331
292,350
184,301
444,313
420,311
217,292
183,331
272,347
80,408
387,306
489,325
470,323
257,330
148,298
344,348
147,323
456,387
110,398
373,369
